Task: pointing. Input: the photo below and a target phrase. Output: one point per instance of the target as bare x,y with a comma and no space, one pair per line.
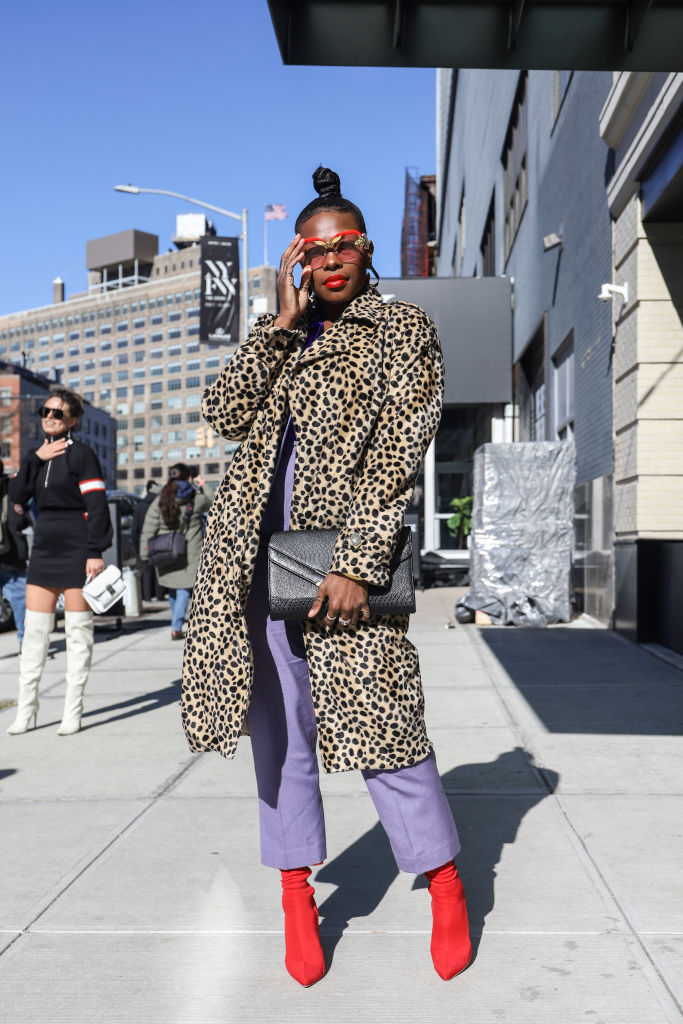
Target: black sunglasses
45,411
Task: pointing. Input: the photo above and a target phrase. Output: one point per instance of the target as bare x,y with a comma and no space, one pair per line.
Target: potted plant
460,523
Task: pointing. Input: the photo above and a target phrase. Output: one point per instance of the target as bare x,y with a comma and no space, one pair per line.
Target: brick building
130,345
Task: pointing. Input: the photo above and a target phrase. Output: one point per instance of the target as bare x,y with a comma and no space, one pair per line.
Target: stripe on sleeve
91,485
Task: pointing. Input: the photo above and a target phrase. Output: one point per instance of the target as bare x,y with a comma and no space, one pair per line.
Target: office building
130,345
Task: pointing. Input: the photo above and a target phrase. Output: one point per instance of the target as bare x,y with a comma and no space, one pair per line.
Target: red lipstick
336,281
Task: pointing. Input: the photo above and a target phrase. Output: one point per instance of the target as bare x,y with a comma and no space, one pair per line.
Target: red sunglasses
347,245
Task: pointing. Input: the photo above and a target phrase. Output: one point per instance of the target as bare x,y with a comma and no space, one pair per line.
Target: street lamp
244,285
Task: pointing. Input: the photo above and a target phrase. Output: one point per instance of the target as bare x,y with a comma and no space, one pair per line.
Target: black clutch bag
299,560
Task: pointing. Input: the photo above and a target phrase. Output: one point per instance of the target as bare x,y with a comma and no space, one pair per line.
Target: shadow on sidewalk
486,821
588,681
151,700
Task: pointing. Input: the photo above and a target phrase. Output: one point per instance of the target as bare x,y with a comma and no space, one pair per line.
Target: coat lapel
368,307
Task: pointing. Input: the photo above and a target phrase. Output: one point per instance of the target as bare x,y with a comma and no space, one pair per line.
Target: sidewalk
132,893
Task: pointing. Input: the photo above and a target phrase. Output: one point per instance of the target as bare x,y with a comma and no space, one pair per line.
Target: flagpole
265,240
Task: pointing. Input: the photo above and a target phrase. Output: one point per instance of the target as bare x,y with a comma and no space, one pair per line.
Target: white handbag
105,589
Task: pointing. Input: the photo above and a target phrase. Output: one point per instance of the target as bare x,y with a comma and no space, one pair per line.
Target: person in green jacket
169,512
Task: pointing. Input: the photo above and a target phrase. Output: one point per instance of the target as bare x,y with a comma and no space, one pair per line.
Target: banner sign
220,299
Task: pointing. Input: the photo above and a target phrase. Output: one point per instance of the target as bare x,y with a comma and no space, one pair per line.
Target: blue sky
191,97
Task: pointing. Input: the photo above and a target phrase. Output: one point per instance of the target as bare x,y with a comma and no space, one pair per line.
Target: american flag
276,211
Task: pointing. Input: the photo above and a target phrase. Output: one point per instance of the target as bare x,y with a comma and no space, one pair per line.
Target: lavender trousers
410,802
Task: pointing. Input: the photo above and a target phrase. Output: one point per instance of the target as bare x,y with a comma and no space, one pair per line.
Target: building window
156,472
195,399
138,322
122,359
105,378
174,402
156,319
173,385
563,388
156,371
173,418
138,339
138,474
561,84
138,389
212,361
175,315
212,468
175,453
74,335
515,172
156,337
89,332
121,474
122,326
138,373
122,374
175,350
175,367
105,328
138,357
191,331
193,364
122,343
488,243
210,378
530,389
121,392
155,387
175,332
140,406
192,382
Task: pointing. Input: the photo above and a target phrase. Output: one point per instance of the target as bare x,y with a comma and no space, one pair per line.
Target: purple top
276,515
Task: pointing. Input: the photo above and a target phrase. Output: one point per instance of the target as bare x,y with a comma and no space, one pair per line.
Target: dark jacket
16,558
72,481
141,510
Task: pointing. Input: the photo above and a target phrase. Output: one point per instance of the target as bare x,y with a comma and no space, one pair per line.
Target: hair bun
326,183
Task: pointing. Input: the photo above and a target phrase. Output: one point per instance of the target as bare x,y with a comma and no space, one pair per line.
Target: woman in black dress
64,478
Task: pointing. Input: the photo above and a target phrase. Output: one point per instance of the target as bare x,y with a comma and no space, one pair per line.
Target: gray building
130,345
521,193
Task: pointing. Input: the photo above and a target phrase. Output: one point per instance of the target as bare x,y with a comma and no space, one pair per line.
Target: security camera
552,241
608,291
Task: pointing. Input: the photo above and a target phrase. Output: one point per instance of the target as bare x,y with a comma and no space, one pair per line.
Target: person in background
64,478
151,588
13,554
168,512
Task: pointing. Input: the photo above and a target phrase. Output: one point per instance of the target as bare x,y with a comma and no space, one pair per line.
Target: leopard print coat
366,400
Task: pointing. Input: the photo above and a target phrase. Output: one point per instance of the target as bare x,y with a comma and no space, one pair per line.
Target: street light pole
244,284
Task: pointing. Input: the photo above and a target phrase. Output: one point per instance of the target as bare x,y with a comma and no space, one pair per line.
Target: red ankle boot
451,947
303,952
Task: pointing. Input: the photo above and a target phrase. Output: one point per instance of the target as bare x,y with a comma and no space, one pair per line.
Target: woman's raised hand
293,300
50,449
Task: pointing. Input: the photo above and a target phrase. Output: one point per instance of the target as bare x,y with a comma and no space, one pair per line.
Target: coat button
355,540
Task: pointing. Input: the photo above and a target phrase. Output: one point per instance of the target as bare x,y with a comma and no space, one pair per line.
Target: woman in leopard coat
334,401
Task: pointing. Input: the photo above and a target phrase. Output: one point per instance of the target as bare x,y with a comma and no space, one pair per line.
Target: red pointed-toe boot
451,947
303,953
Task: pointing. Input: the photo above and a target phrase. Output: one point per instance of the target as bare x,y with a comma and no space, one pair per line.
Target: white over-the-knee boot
37,629
78,627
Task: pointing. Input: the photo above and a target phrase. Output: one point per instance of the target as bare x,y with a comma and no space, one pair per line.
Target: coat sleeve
22,485
150,527
406,424
231,403
93,492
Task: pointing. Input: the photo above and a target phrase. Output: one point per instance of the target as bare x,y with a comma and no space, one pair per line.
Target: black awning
473,316
600,35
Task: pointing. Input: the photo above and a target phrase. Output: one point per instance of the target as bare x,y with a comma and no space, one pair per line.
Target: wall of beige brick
648,379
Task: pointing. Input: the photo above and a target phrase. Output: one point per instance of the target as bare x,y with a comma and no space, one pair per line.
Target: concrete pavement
131,890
